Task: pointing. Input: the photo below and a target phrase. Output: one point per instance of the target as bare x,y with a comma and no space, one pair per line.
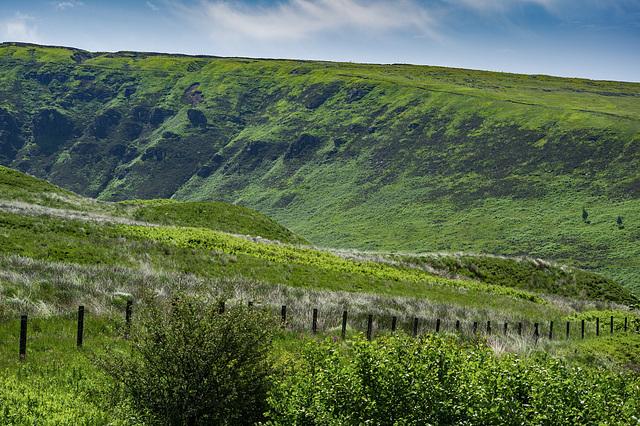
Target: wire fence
77,328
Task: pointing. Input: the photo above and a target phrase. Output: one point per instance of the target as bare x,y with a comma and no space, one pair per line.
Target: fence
414,326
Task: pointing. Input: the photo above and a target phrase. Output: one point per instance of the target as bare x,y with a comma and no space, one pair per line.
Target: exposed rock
303,146
158,115
197,118
193,95
103,122
154,153
50,129
214,163
118,150
84,149
10,141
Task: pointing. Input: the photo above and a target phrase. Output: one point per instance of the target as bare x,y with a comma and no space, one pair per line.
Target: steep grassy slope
94,239
388,157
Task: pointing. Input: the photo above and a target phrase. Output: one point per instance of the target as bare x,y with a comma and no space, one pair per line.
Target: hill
194,239
374,157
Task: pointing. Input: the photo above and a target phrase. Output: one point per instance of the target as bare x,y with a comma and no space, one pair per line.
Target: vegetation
372,157
434,380
446,159
190,364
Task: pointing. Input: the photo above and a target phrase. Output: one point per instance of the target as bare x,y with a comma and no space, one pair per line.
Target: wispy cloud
153,6
20,27
67,4
297,19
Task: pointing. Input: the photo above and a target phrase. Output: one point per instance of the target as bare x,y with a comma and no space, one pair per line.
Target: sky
594,39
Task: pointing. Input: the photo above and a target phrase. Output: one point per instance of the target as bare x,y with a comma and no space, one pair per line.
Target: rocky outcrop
10,136
50,129
197,118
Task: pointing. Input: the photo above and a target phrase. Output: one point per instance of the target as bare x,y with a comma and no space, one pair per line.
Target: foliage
190,364
212,240
433,380
536,275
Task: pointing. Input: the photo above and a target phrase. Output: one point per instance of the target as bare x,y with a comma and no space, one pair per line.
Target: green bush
192,365
397,380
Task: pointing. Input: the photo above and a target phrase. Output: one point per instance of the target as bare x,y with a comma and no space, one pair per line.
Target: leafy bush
191,364
397,380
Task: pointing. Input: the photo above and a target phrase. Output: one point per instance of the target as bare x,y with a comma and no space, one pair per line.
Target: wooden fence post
551,330
283,314
475,328
457,326
221,307
504,330
611,325
519,329
415,327
344,324
394,322
625,324
582,329
369,326
80,326
536,334
23,336
489,328
568,330
438,325
597,327
315,321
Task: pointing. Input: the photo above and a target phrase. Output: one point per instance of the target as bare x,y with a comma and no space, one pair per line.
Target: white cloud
20,28
67,4
297,19
153,6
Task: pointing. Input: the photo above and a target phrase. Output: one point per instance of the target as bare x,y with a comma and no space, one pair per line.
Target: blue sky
596,39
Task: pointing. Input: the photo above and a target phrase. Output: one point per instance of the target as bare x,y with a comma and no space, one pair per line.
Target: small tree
585,215
190,364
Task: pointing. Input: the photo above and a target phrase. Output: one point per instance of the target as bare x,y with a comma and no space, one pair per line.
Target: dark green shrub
189,364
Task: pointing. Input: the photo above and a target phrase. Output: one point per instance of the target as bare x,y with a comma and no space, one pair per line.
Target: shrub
396,380
190,364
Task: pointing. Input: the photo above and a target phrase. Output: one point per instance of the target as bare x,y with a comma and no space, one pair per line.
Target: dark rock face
197,118
305,145
158,115
104,122
51,129
154,153
10,136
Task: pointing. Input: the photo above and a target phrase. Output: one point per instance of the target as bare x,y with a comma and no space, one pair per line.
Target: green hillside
59,250
374,157
198,238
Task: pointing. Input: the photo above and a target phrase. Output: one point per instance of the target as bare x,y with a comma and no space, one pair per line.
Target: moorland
454,201
447,159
